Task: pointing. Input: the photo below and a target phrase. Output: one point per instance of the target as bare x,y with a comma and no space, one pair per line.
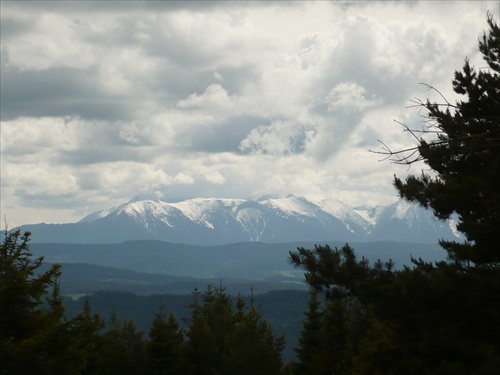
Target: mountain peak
267,197
149,196
271,218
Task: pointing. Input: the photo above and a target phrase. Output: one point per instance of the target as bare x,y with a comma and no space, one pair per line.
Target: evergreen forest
362,318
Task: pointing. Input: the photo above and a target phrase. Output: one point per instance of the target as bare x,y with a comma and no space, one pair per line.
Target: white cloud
215,178
101,101
278,138
184,178
348,97
51,40
214,98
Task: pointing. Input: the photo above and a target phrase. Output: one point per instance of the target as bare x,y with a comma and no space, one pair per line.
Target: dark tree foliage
330,336
441,318
253,347
429,318
87,329
464,158
310,343
29,318
165,346
222,340
122,349
22,290
35,336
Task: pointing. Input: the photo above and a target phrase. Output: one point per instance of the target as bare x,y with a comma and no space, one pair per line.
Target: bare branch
403,157
431,126
429,88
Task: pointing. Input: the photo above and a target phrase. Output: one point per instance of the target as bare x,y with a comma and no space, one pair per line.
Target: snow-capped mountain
353,219
269,219
405,222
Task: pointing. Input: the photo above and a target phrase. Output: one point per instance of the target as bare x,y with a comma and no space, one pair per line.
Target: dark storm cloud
57,92
113,6
12,27
100,6
47,200
87,155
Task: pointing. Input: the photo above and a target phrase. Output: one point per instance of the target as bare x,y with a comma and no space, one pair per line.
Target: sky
102,101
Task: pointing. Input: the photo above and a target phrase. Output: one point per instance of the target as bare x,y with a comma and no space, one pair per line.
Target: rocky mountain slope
270,219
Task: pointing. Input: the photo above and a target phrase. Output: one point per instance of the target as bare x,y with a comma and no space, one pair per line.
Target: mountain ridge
269,219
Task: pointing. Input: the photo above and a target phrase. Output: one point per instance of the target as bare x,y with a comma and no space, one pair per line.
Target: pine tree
87,327
22,287
464,158
202,354
223,340
253,348
26,325
122,349
310,340
61,350
165,346
335,337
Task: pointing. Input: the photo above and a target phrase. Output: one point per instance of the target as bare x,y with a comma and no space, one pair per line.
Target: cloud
215,178
278,138
100,101
348,97
215,99
184,178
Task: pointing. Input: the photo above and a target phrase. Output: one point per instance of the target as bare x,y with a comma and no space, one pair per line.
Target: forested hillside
283,310
218,334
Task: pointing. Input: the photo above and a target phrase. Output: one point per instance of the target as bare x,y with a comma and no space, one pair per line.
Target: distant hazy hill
79,279
243,261
210,221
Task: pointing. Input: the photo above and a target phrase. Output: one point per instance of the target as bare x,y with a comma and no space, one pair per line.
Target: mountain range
269,219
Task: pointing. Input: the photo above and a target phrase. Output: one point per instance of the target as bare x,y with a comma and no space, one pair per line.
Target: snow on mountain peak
335,207
345,213
147,211
201,210
94,216
401,210
293,205
268,218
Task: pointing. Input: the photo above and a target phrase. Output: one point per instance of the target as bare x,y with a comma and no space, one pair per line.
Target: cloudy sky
101,101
